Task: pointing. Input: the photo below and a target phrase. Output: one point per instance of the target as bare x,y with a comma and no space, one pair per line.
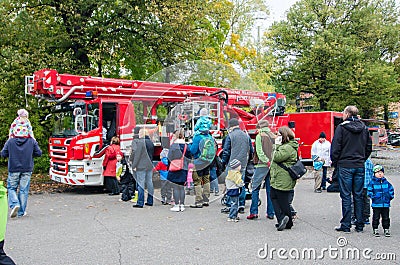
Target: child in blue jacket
162,168
381,193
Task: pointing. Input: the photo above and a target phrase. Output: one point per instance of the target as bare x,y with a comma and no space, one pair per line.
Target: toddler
125,178
203,123
21,126
162,168
381,193
233,184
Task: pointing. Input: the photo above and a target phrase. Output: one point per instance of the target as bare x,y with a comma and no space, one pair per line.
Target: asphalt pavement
79,227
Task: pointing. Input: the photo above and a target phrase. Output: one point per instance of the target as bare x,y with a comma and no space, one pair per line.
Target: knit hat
234,163
378,168
262,123
136,130
233,122
322,135
164,153
203,112
23,113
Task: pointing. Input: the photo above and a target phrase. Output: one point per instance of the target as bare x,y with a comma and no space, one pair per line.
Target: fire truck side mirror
292,124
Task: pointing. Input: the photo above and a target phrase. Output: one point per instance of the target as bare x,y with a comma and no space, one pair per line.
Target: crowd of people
196,164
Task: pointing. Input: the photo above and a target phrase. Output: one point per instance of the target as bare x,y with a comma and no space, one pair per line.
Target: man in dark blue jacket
20,152
351,146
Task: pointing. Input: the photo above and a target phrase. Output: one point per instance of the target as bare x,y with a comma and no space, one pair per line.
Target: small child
21,126
125,178
381,193
203,123
162,168
233,184
189,179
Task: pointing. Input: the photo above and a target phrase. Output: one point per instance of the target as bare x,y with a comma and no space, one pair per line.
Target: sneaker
175,208
353,221
341,229
318,191
283,223
148,204
225,210
323,188
230,220
196,205
271,217
182,207
359,230
206,204
216,193
252,216
241,210
237,219
137,206
376,233
14,212
386,232
366,221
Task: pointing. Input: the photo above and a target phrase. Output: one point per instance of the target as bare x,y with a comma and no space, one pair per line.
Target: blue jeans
233,212
324,173
23,180
351,182
213,180
242,195
145,176
260,173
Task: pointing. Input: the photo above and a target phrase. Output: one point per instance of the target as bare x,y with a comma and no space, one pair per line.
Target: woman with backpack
178,156
109,166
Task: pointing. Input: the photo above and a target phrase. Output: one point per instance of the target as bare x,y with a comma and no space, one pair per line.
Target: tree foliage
339,50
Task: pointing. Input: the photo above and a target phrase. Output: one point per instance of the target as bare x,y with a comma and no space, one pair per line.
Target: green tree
341,51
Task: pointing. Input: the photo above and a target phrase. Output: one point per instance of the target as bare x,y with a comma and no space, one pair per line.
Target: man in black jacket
351,146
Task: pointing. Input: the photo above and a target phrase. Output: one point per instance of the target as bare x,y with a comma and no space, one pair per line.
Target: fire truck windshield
73,118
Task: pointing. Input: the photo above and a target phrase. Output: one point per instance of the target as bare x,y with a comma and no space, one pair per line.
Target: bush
42,164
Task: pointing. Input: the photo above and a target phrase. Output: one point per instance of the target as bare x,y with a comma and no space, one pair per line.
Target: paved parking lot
83,228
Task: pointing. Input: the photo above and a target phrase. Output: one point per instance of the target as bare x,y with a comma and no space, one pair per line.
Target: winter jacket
110,160
20,153
143,155
175,152
380,191
124,173
237,145
195,149
162,168
287,155
263,145
203,124
351,144
233,182
323,151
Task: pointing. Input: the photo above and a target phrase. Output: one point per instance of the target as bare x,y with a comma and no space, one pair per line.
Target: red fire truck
88,111
307,127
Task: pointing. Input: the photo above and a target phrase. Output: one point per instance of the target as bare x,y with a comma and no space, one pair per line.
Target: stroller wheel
223,200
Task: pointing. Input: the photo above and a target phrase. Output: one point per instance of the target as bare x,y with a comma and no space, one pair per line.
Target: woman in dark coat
178,178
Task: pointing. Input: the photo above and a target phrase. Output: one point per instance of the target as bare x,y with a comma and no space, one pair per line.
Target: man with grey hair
351,146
